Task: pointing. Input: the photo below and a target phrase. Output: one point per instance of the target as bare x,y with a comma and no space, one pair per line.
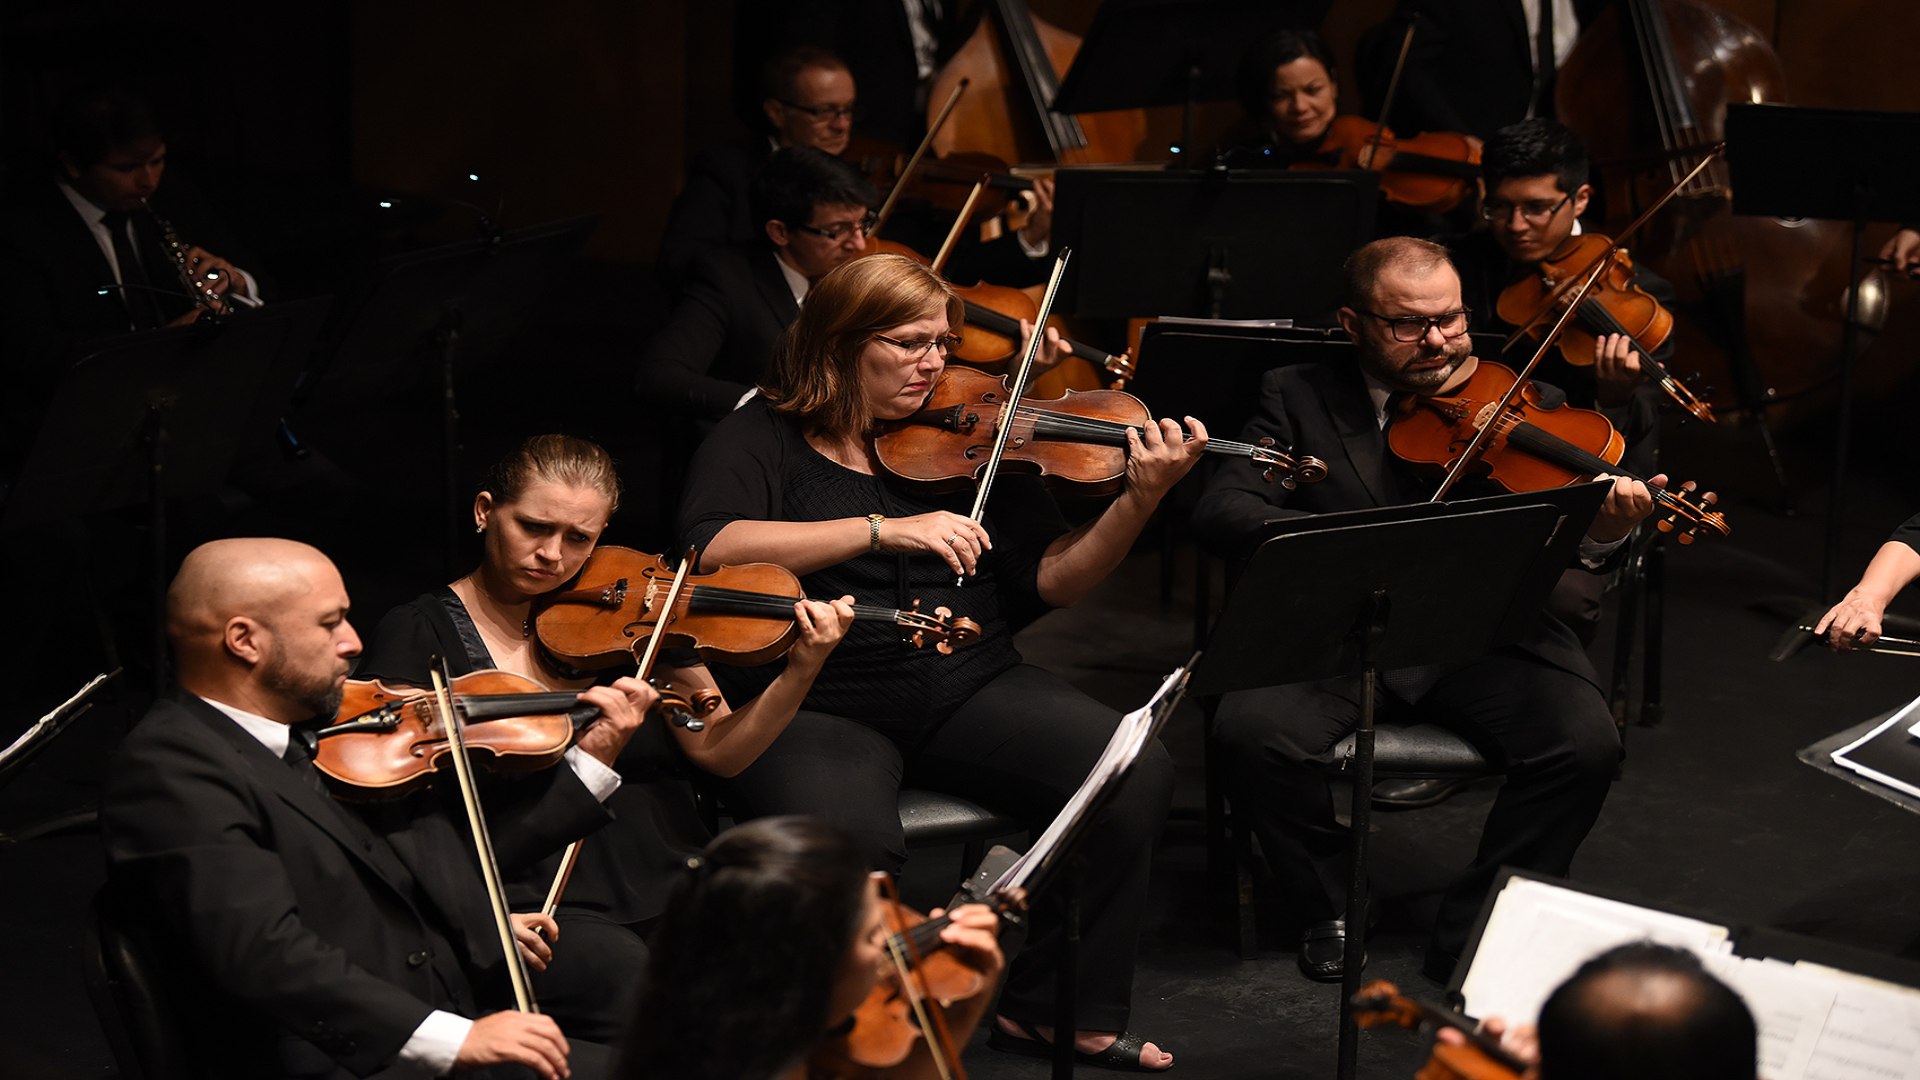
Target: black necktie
141,306
1543,62
299,758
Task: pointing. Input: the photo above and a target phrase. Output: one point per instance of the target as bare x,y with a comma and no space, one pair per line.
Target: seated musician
92,226
1640,1010
1536,706
300,936
542,512
1854,622
793,478
779,925
809,102
1536,189
813,211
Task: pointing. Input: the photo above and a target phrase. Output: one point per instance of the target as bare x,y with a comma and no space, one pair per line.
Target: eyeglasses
835,233
917,349
1538,212
820,113
1451,324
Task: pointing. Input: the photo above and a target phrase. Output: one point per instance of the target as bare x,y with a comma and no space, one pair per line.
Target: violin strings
770,603
1533,437
1091,426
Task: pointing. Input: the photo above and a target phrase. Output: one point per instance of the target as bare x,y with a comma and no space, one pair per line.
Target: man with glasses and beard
297,936
1536,707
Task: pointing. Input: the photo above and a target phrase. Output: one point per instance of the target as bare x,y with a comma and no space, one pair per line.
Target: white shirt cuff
1594,554
1034,251
251,298
593,772
433,1046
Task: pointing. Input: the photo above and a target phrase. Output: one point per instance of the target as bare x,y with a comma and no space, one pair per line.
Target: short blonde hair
816,372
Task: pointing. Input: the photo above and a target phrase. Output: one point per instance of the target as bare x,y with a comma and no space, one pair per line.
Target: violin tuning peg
1685,538
1289,483
1665,525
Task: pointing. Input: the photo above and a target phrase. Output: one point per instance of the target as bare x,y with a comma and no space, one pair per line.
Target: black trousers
1549,728
593,982
1021,745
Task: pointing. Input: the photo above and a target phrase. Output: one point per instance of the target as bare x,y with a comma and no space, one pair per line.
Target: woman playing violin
792,478
541,512
770,941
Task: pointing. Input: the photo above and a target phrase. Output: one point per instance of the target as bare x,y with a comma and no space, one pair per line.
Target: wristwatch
873,530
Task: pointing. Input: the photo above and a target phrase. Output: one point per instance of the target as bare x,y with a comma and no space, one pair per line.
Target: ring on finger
952,540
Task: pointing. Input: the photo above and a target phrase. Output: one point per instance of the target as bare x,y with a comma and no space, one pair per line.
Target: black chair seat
1417,751
930,817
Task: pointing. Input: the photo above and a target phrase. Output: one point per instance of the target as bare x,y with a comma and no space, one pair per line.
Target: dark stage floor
1713,813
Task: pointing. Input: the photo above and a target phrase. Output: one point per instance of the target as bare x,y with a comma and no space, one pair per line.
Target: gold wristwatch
873,531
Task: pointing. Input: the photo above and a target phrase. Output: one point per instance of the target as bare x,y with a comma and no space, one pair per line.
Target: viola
1478,1058
1615,305
1434,171
1079,439
388,740
1535,447
733,614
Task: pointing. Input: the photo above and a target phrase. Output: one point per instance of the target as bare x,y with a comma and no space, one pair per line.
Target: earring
479,528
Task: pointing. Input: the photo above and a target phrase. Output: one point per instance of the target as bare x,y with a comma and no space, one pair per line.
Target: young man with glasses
1536,189
1536,706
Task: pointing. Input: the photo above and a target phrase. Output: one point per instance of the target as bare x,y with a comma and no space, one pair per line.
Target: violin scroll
680,710
1683,505
1277,461
943,628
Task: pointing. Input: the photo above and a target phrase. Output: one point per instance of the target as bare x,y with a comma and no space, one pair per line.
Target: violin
1434,171
733,614
1534,447
939,181
1615,305
1078,439
1479,1058
389,740
990,338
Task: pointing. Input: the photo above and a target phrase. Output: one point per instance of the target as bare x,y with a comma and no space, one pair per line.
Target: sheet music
1540,933
1815,1022
1842,758
1130,737
45,723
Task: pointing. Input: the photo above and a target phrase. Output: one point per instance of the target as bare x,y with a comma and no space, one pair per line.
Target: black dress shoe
1415,794
1323,951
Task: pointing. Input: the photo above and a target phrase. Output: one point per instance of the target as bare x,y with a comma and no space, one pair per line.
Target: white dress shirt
95,218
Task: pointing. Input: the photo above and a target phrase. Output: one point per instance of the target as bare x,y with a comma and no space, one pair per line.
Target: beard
320,695
1425,381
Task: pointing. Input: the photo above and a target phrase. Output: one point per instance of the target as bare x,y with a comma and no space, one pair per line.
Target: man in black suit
1535,706
303,938
718,342
82,255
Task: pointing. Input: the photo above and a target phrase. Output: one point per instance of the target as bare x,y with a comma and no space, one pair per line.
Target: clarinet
196,286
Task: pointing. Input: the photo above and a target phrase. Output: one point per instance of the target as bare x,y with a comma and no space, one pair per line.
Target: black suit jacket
322,938
1323,409
719,340
714,206
1470,70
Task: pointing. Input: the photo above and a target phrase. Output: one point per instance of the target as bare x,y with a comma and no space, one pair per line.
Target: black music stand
1224,244
159,414
1141,53
1356,593
1866,177
438,309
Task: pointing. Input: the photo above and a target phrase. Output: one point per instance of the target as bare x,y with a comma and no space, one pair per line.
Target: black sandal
1122,1055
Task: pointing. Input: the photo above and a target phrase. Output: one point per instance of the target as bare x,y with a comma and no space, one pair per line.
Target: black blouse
757,466
626,868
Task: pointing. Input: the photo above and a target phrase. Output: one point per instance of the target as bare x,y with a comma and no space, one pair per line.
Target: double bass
1752,292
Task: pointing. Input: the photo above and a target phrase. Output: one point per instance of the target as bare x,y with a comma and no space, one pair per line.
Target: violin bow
900,184
482,841
1913,647
1393,87
571,856
1593,272
1018,389
905,956
959,225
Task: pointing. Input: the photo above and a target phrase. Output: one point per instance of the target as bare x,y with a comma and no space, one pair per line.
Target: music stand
1226,244
1372,597
457,304
1867,177
1140,53
159,414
